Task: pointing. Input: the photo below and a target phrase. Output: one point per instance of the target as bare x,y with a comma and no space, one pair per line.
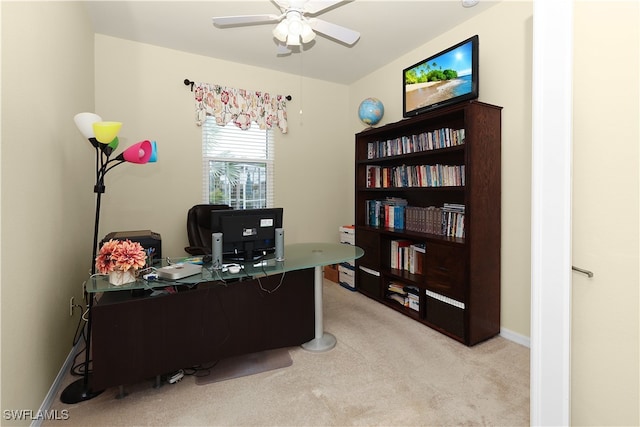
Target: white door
605,323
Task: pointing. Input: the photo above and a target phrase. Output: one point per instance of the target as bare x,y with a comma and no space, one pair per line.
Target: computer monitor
247,234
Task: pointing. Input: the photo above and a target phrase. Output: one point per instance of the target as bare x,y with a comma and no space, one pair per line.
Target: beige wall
142,86
505,80
47,198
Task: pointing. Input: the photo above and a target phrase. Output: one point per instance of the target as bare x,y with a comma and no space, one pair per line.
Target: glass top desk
296,257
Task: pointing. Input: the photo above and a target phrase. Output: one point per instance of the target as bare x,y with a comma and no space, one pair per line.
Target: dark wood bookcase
455,283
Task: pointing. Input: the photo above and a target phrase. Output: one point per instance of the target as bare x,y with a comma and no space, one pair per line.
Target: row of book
394,213
407,255
433,140
447,220
408,296
415,176
387,213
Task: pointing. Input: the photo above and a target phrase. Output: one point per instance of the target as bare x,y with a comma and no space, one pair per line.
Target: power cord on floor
199,371
77,368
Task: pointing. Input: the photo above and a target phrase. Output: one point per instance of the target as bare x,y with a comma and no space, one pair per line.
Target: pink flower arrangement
120,255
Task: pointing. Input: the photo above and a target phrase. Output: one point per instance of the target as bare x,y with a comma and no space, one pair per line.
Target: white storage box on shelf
346,270
347,277
348,234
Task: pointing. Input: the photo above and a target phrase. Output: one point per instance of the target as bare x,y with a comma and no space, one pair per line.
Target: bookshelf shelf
433,252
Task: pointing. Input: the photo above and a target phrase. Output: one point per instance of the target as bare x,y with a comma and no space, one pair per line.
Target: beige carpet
386,370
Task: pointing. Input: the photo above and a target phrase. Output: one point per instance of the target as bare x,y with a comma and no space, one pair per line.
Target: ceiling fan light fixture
293,40
307,33
293,27
281,31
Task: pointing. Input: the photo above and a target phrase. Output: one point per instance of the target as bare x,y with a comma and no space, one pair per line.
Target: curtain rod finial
188,82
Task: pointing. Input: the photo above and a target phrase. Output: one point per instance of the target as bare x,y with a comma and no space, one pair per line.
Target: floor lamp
103,137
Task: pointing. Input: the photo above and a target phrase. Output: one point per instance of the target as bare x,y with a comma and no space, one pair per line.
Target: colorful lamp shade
106,131
109,148
84,123
154,152
138,153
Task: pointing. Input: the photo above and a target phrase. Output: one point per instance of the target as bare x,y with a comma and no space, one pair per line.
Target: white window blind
237,165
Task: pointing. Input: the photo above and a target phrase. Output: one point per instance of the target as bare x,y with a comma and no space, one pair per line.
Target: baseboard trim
55,387
515,337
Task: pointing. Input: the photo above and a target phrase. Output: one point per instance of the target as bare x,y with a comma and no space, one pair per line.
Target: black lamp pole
80,390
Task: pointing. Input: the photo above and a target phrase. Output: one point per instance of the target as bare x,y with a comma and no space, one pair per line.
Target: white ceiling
388,30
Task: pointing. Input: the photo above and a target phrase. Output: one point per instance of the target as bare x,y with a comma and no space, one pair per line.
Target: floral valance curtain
240,106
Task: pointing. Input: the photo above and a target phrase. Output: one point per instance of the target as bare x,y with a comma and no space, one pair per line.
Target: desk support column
323,341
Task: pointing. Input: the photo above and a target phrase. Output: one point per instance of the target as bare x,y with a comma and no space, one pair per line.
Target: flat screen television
247,234
446,78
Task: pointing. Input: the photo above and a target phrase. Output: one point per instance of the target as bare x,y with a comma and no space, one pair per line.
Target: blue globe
371,111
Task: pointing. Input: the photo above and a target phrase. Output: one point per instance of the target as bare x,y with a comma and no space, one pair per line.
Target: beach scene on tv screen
439,79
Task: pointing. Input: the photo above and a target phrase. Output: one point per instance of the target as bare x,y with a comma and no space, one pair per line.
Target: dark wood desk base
139,338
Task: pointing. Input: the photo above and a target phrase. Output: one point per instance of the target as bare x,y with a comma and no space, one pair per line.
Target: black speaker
279,244
216,250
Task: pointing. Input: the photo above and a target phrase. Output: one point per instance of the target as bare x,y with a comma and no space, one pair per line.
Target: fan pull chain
301,83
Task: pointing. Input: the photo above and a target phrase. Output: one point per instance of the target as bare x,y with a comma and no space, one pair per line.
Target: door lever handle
583,271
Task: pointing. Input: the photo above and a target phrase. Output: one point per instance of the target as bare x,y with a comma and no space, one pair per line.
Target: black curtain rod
188,82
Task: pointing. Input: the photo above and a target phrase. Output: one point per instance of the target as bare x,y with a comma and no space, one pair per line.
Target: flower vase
119,277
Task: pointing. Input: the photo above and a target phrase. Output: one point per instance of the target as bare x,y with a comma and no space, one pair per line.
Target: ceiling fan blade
334,31
225,21
314,7
282,4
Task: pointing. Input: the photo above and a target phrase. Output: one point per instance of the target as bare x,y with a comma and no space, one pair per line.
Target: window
237,165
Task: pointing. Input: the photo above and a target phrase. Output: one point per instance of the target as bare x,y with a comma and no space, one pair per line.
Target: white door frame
551,212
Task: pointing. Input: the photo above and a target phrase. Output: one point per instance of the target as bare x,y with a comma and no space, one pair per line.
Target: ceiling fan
297,22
